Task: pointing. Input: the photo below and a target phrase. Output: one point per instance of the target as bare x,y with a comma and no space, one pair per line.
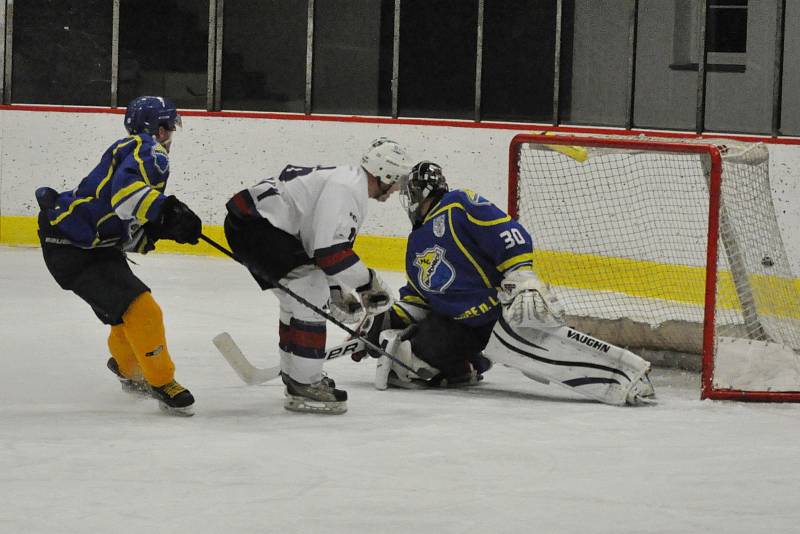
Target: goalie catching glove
527,301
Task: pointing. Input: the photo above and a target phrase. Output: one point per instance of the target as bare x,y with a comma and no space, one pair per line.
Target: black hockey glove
371,331
176,222
375,295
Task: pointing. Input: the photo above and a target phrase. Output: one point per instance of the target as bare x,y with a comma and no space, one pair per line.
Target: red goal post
667,245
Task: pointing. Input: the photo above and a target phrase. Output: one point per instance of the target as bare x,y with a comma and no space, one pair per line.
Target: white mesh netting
623,237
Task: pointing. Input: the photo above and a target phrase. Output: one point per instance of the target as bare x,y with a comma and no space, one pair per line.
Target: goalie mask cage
666,245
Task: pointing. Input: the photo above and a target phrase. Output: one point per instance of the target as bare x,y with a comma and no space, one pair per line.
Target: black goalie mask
426,181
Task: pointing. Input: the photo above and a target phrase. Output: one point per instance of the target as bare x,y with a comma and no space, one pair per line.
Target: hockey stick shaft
318,310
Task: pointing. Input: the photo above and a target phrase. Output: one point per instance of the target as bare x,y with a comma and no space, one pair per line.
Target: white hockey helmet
387,160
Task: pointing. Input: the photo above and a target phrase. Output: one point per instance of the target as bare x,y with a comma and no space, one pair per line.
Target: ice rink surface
509,456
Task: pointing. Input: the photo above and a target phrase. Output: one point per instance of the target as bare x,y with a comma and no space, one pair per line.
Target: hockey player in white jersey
298,228
472,299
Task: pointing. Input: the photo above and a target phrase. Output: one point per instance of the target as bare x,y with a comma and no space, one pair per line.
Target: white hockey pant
571,359
301,327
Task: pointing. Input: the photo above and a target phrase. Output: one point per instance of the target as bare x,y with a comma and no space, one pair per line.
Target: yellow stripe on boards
381,252
678,283
621,275
19,230
582,271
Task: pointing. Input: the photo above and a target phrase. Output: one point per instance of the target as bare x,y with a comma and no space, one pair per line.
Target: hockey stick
423,373
252,375
578,153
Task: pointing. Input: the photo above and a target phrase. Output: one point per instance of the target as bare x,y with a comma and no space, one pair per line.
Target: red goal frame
708,391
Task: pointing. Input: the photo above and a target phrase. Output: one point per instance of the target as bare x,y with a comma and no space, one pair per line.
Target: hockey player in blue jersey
121,207
472,298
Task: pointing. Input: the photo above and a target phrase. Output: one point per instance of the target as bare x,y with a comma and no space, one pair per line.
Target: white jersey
324,208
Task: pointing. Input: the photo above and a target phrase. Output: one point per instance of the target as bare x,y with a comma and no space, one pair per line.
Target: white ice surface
509,456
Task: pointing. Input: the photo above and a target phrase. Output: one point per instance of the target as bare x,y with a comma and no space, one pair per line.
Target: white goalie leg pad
390,341
574,360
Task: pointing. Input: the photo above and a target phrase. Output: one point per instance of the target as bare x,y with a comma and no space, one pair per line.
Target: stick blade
249,374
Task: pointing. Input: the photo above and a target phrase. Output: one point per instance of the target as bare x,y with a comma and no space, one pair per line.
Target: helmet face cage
146,114
387,160
426,179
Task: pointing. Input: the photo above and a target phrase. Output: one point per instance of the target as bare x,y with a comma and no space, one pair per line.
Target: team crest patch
475,198
160,159
438,226
435,273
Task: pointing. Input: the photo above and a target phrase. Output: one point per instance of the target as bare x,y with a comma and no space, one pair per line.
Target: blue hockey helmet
145,114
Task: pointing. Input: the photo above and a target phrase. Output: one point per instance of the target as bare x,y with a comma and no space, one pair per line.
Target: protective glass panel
518,60
264,55
740,68
438,39
353,44
62,52
666,64
596,59
163,50
790,103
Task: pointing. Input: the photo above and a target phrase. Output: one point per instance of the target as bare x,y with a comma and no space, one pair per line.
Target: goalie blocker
548,354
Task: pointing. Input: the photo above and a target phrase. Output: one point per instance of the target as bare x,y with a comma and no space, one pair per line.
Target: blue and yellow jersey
123,192
458,256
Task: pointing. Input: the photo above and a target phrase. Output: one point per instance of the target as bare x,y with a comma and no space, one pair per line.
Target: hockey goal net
666,246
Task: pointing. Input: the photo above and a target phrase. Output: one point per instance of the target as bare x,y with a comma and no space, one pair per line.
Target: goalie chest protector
458,256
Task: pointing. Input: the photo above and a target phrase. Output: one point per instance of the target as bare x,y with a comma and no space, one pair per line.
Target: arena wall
217,154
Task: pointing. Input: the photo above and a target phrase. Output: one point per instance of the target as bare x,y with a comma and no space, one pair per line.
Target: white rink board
215,157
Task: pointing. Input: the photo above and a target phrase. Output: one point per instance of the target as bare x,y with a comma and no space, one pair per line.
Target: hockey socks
127,366
144,329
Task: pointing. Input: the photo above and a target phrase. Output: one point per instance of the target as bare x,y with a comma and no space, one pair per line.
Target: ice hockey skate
319,397
133,386
174,399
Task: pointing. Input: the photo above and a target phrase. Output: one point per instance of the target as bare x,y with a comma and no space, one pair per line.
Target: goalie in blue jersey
460,250
472,298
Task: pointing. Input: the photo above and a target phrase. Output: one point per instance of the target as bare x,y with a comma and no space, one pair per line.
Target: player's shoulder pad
474,198
475,206
466,198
